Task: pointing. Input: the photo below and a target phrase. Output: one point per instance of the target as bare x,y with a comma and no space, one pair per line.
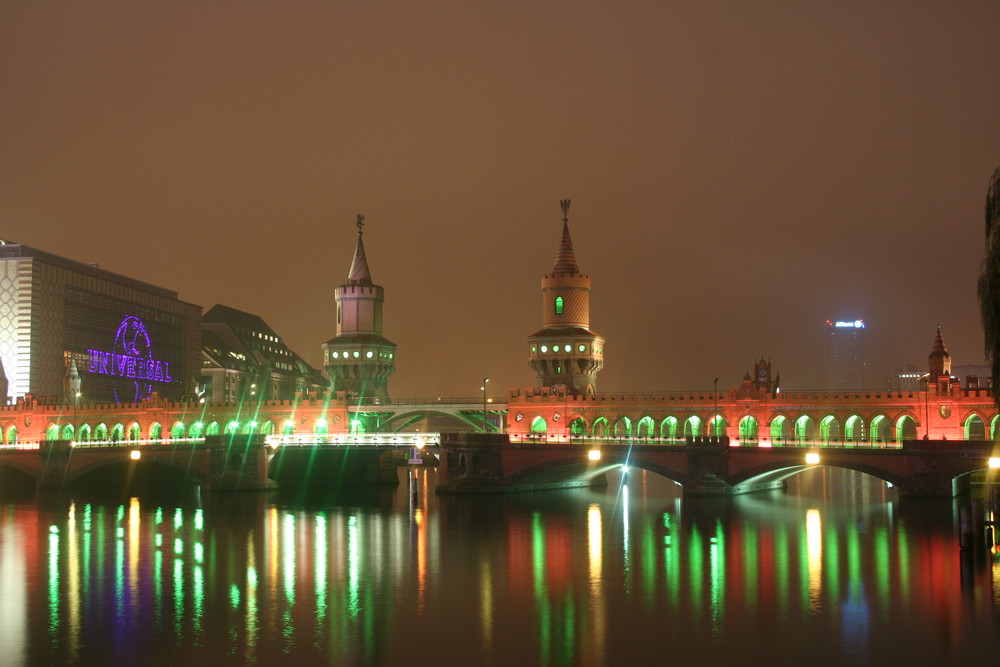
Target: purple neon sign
131,362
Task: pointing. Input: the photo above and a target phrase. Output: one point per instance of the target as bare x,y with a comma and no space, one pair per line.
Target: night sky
740,172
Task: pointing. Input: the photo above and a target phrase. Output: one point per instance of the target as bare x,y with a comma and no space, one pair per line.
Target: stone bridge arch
571,471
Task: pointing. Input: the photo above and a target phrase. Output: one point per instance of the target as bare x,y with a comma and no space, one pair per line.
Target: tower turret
939,361
359,360
565,351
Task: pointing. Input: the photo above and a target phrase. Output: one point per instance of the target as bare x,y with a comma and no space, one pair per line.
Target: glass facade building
126,338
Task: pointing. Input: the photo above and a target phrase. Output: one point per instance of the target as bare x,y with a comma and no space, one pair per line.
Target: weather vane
565,209
360,223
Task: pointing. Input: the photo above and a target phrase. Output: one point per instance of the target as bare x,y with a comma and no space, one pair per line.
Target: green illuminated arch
212,429
993,427
321,427
538,425
177,431
155,431
906,429
830,430
52,432
880,429
117,432
623,427
717,426
600,428
692,427
668,428
578,427
559,305
805,429
197,430
67,432
779,429
232,428
748,429
975,428
249,427
267,428
12,435
288,427
134,432
84,434
854,429
101,433
357,425
645,428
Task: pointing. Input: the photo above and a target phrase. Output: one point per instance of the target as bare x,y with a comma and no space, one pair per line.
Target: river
834,570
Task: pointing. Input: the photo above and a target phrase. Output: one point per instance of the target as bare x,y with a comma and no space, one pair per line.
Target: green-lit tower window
559,305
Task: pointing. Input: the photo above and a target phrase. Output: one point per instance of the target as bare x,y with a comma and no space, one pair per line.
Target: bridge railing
624,441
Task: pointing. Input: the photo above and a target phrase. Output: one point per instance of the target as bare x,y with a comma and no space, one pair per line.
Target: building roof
565,258
360,274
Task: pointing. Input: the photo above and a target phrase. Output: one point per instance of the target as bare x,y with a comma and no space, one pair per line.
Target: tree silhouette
989,284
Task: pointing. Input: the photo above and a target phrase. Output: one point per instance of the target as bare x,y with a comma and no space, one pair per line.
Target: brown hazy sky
740,171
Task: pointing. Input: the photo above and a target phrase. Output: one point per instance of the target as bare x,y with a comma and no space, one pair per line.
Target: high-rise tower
847,358
565,351
359,360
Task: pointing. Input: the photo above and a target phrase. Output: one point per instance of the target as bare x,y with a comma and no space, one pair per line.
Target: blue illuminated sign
132,361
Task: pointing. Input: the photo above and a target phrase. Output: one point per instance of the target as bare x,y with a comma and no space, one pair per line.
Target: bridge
702,466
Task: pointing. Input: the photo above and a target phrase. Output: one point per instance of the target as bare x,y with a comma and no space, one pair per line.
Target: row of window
357,355
563,347
118,432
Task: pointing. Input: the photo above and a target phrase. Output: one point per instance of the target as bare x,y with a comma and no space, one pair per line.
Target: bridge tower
359,360
939,364
565,351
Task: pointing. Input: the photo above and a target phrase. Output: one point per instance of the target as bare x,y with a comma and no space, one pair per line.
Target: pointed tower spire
565,258
4,385
939,361
359,275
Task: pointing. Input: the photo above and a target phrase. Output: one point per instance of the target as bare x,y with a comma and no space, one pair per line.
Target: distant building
74,332
565,351
847,360
242,358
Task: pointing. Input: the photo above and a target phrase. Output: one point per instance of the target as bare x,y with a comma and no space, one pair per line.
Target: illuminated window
534,349
368,354
336,355
559,305
568,348
581,348
356,354
545,348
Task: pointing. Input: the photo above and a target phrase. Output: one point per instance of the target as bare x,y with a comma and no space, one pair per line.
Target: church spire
359,275
565,258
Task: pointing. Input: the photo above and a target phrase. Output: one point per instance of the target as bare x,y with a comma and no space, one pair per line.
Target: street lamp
715,406
485,423
76,405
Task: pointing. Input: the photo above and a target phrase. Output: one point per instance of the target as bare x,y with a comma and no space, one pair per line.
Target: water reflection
836,566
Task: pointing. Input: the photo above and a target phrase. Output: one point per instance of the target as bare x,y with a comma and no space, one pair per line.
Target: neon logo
856,324
132,361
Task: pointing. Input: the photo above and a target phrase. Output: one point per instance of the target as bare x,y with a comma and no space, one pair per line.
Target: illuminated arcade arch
668,428
854,429
779,429
748,429
692,427
623,427
830,430
880,431
12,435
117,433
84,434
538,425
645,428
578,427
805,429
717,426
321,427
155,431
101,432
975,428
906,429
197,430
177,430
288,427
67,432
600,427
52,432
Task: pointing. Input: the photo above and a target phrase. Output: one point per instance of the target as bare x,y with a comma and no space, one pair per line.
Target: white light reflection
595,548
